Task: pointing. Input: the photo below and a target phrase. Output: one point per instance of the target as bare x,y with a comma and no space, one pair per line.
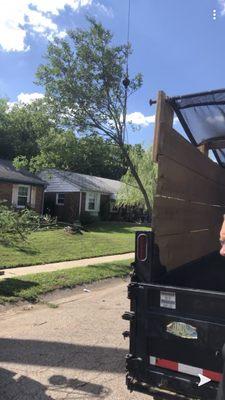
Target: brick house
69,194
20,188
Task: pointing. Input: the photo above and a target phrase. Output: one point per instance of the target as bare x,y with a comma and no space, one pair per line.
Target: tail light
142,247
143,256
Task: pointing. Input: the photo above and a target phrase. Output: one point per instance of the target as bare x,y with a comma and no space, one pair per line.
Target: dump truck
177,287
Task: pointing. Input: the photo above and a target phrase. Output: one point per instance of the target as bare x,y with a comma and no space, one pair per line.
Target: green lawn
56,245
30,287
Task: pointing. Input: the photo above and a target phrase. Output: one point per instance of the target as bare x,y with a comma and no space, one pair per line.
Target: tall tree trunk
136,176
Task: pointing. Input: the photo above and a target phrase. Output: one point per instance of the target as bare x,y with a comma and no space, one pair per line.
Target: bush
15,226
87,219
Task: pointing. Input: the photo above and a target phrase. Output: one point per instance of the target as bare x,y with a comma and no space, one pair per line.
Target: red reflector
173,365
142,247
215,376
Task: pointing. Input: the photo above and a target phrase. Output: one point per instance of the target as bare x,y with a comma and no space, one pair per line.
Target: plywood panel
190,200
173,216
176,180
176,250
177,148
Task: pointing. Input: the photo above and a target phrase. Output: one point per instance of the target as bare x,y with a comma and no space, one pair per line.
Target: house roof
66,181
8,173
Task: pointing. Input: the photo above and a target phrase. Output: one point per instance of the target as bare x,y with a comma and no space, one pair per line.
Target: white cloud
222,7
17,17
25,98
28,98
137,118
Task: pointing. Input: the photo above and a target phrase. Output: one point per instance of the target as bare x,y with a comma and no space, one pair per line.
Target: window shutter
98,197
33,196
14,195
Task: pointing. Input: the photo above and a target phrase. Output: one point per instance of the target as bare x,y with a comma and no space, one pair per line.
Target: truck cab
177,288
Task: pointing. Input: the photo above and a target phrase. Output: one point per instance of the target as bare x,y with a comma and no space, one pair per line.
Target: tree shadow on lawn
24,247
118,227
12,287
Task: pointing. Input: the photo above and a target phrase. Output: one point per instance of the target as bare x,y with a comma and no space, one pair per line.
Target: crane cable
126,81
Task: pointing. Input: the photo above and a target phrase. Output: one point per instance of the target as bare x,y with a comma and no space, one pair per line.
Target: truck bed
175,334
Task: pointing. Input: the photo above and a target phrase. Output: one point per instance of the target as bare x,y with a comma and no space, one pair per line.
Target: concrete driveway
74,351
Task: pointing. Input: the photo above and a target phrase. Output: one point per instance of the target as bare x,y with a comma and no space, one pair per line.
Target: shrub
15,226
87,219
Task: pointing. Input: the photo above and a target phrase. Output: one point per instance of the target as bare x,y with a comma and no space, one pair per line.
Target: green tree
15,226
6,137
30,136
21,127
84,78
130,193
88,155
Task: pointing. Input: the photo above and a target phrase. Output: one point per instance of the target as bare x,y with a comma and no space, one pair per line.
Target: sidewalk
37,269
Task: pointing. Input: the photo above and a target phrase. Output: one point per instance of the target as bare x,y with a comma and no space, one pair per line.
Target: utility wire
128,35
126,80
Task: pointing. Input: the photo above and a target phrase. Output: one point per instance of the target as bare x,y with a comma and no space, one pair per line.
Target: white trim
80,203
57,199
15,195
97,197
33,196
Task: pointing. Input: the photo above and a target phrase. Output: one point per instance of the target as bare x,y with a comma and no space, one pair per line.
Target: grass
56,245
31,287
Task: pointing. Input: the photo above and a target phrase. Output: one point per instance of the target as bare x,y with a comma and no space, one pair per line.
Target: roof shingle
66,181
10,174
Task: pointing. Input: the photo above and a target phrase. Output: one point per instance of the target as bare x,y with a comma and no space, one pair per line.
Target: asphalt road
75,351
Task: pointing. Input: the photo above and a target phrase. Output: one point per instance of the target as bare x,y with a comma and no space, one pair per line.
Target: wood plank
204,149
172,216
164,118
177,148
176,250
178,181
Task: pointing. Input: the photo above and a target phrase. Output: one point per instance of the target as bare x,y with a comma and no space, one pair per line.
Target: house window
23,196
60,198
92,201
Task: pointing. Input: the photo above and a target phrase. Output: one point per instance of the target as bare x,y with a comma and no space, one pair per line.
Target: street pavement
73,350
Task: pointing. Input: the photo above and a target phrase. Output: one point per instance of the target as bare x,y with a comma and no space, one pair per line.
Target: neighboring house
20,188
69,194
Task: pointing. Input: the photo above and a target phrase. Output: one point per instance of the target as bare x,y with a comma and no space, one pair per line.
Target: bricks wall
69,212
6,192
39,199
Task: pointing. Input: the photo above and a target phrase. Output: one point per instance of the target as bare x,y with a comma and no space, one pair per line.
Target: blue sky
177,46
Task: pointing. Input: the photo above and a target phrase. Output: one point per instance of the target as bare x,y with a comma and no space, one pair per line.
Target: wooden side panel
190,199
177,148
172,216
180,181
176,250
